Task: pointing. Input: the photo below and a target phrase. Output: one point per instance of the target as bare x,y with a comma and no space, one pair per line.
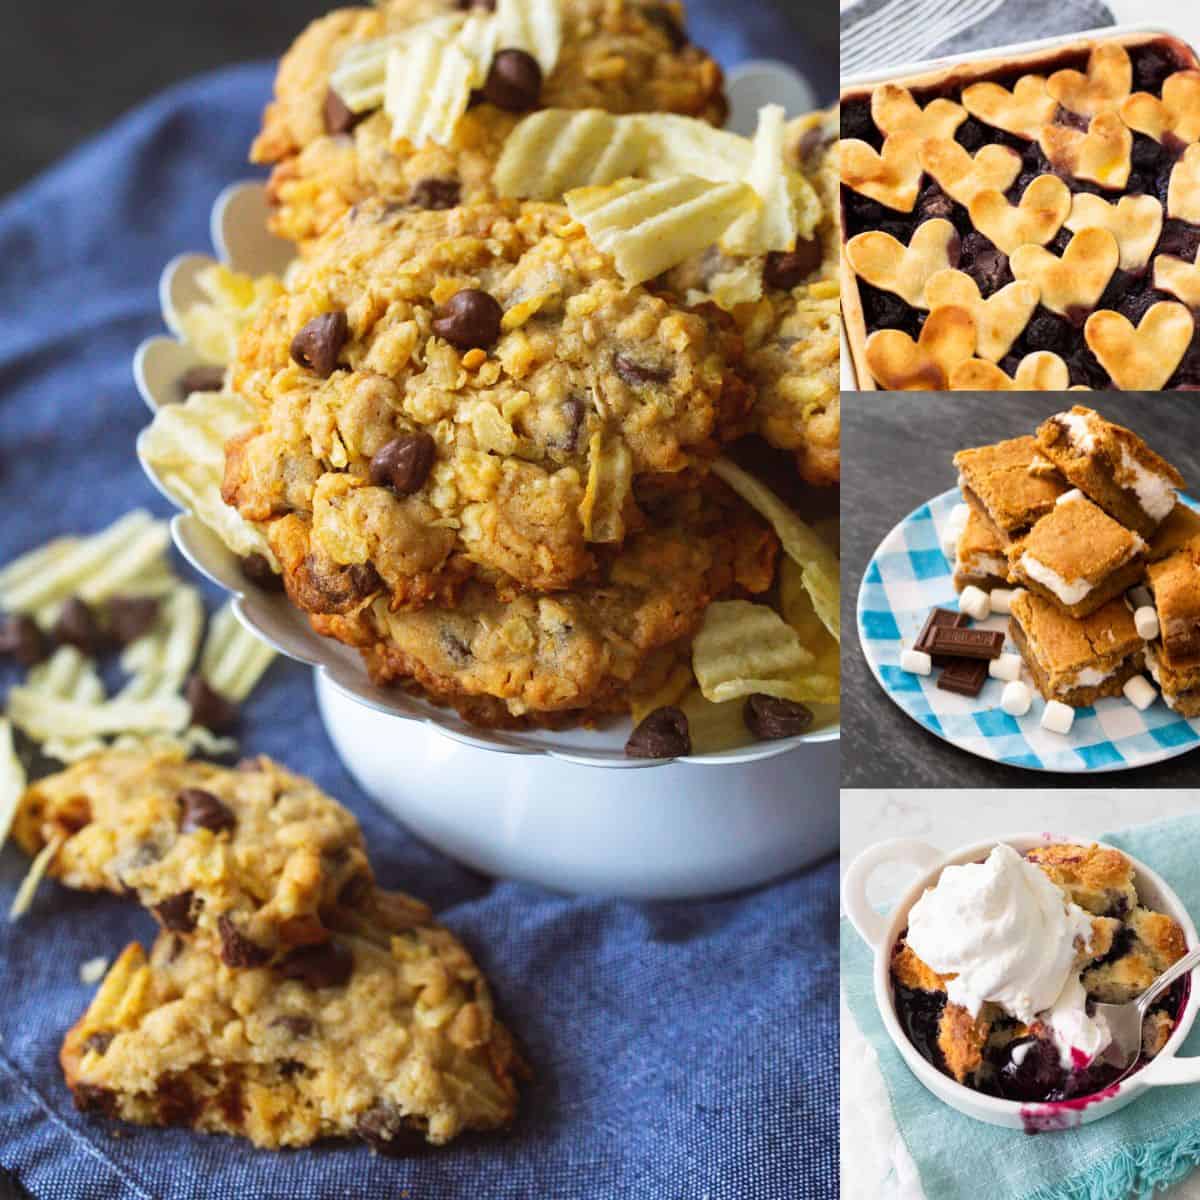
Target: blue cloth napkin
681,1050
1152,1143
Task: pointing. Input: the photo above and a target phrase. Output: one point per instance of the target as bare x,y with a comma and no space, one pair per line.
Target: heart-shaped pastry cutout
892,177
1036,219
901,365
1135,221
999,319
1023,111
895,111
1141,359
1108,81
1179,277
887,263
1183,192
1176,115
1037,372
962,177
1102,155
1071,285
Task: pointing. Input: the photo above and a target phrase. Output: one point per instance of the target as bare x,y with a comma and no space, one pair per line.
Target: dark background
71,69
897,448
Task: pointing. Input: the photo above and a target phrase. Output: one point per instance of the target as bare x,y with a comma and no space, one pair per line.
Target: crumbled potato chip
185,447
23,900
212,327
800,613
557,150
743,648
714,727
679,146
427,90
534,26
12,779
649,227
609,485
800,542
233,659
670,692
67,675
741,284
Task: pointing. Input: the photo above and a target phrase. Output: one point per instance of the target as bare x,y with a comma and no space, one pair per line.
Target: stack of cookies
1085,519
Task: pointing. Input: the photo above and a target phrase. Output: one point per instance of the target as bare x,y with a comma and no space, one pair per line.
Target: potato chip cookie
619,57
469,393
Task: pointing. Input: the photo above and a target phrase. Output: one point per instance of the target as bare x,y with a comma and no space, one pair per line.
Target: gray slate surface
896,451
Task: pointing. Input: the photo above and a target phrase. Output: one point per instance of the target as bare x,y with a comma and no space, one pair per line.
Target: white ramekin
880,932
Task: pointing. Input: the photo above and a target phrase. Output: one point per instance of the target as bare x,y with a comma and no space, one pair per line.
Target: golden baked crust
997,481
1180,528
1097,878
405,1049
624,58
1175,581
961,1039
979,557
1180,685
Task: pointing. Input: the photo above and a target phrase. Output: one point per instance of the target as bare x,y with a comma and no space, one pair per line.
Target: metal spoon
1125,1020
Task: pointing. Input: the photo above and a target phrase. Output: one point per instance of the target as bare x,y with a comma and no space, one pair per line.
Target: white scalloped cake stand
533,806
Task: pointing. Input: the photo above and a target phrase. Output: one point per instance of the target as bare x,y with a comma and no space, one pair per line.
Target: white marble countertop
880,1167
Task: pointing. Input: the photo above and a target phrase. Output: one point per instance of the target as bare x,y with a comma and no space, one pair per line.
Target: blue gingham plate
907,576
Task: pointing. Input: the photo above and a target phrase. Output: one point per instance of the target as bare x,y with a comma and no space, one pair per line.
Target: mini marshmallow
1016,699
1139,691
975,603
1067,497
1139,597
1007,667
915,662
1058,717
956,522
1001,599
1145,620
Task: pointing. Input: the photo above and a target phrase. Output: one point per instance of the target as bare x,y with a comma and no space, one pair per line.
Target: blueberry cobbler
996,977
1031,226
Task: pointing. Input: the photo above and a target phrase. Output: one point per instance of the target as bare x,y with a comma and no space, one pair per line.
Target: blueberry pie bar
1028,223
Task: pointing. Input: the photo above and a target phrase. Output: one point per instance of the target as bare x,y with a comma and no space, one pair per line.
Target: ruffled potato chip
672,690
212,327
12,779
714,727
233,659
609,486
534,26
427,90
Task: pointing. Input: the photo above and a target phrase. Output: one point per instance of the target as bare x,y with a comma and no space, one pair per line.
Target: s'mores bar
1175,582
1112,466
1076,661
1077,557
1176,531
1180,686
997,482
979,557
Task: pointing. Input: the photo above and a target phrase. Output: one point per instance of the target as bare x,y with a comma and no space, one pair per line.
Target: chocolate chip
201,379
467,5
787,270
574,411
404,463
470,320
256,568
176,912
514,81
237,950
662,734
209,707
99,1041
293,1025
769,718
319,343
231,1102
338,117
131,616
202,810
288,1067
668,21
77,626
322,586
635,373
92,1099
329,964
20,638
177,1105
435,193
387,1131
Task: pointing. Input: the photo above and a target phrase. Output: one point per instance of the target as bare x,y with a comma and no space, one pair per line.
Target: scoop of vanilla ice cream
1003,931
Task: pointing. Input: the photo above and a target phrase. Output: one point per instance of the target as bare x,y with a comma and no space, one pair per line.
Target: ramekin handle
872,926
1175,1069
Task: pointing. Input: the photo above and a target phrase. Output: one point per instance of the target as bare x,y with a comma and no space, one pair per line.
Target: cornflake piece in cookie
893,176
1035,219
895,111
1022,112
961,176
999,320
1183,191
1112,466
899,364
1141,359
1175,117
1175,582
1108,82
1135,221
1072,285
1040,371
1179,277
997,481
1102,155
903,270
248,861
398,1046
